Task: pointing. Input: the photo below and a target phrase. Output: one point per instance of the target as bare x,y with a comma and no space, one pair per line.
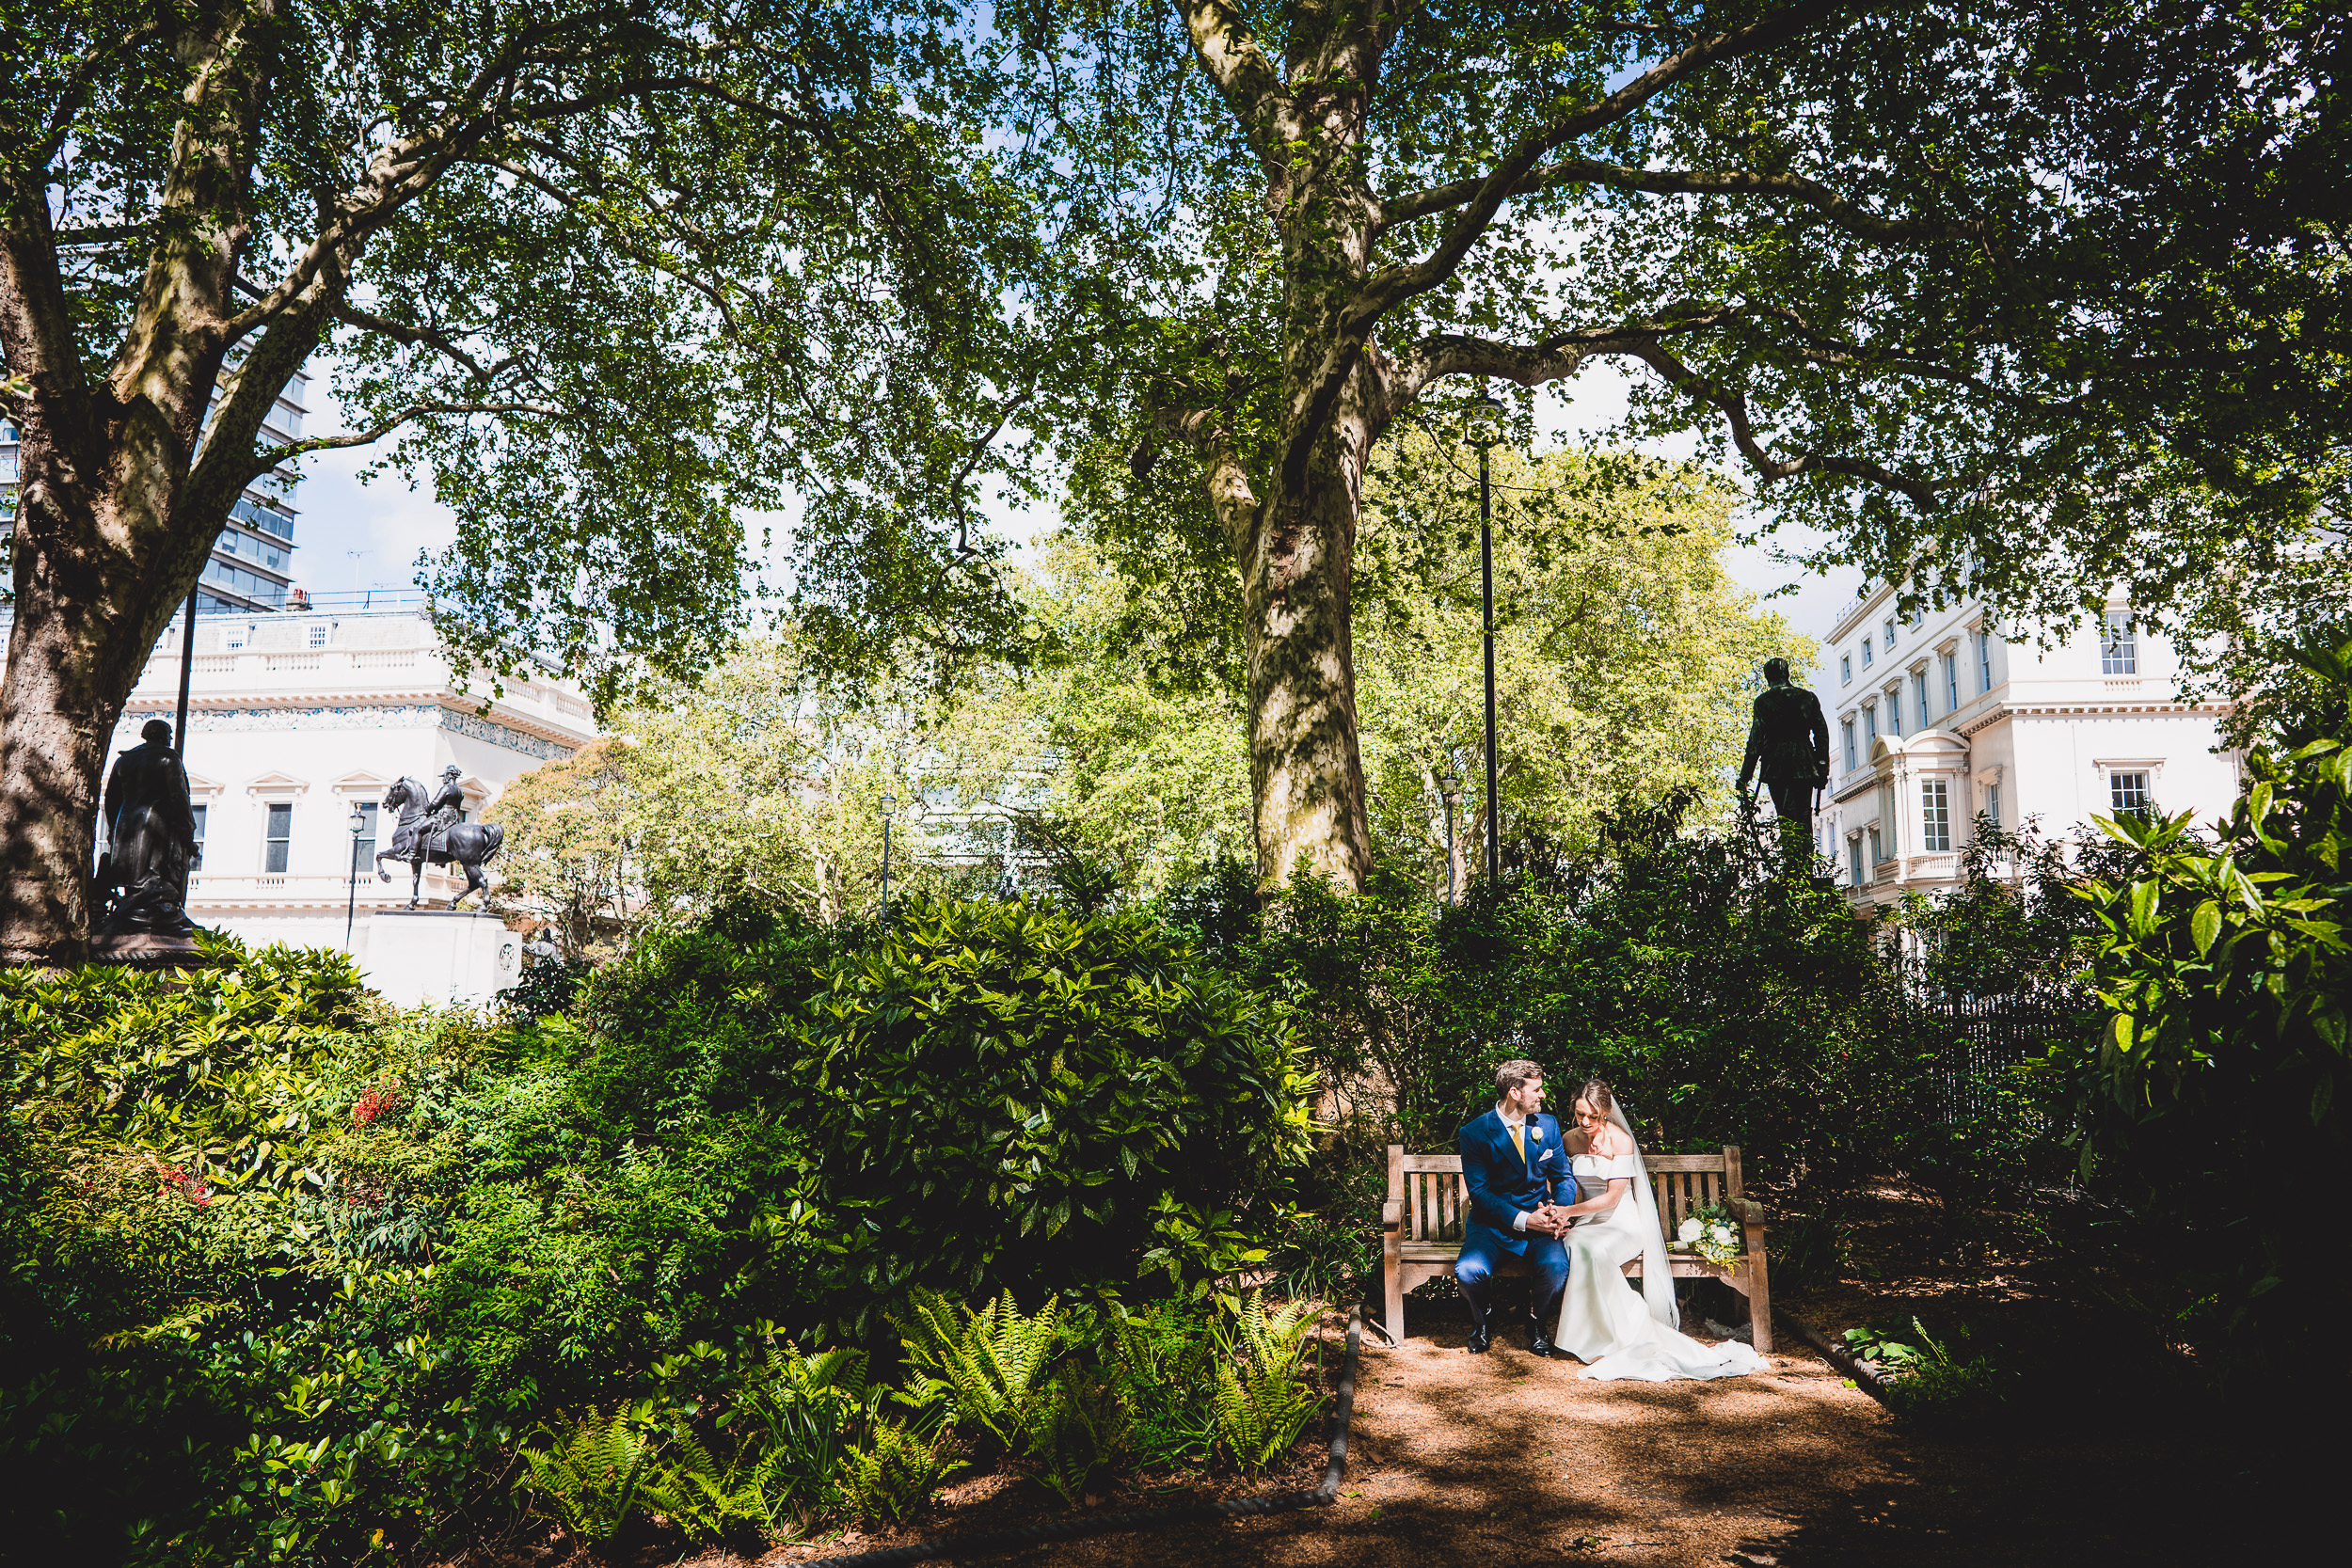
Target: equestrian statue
430,830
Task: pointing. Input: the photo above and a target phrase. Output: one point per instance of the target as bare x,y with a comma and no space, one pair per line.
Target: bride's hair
1596,1094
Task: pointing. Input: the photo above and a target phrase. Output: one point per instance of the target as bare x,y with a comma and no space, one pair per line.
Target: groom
1513,1164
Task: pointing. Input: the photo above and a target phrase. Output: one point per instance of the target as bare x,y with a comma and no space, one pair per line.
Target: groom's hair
1511,1074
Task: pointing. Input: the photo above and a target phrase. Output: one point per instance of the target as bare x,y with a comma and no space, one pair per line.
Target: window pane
2119,650
1993,803
1845,669
1846,725
1984,660
195,854
1853,857
2128,792
280,829
1951,681
1895,712
1920,690
365,852
1936,816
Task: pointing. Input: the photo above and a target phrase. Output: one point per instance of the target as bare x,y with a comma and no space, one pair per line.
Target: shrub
995,1096
2217,1081
1262,1404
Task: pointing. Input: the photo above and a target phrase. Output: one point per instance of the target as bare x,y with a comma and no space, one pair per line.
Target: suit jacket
1502,1185
1789,740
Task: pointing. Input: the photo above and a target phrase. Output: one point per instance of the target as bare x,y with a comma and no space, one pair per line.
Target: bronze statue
1788,741
429,828
151,837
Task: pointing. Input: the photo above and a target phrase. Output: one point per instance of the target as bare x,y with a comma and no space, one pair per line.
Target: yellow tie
1518,1140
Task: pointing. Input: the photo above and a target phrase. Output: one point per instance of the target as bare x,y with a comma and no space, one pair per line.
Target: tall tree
614,272
2021,299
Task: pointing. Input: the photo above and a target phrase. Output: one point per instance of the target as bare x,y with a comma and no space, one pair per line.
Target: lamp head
357,821
1482,427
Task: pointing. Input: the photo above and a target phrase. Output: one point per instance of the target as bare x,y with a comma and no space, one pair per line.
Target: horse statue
429,829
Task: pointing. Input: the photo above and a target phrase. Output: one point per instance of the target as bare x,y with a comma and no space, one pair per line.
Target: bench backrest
1437,1201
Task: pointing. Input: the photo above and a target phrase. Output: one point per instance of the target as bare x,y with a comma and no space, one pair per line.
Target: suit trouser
1547,1262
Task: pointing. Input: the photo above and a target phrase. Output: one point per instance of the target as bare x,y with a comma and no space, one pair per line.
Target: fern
591,1479
706,1502
1079,1433
804,1413
893,1472
1261,1405
990,1359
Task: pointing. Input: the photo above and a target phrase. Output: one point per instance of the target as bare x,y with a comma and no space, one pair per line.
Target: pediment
276,784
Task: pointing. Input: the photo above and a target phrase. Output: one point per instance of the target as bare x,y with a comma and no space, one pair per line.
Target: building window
1853,860
1951,683
234,638
1992,802
318,636
1878,849
363,846
276,837
1985,661
1846,725
1845,669
2129,794
1867,657
1894,711
1870,724
1920,690
1936,816
196,851
1889,629
2119,650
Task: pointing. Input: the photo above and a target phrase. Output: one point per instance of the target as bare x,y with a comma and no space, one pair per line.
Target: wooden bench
1421,1226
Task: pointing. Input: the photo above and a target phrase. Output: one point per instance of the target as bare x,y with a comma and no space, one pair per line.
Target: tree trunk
1306,771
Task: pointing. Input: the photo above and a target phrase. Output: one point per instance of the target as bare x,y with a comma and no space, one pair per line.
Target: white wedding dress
1603,1322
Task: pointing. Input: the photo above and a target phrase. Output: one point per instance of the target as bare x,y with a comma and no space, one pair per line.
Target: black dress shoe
1479,1339
1538,1345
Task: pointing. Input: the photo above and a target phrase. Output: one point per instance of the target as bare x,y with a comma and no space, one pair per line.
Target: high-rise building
252,562
1936,719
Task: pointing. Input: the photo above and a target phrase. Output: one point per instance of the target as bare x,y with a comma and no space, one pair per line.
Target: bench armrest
1391,1213
1749,1210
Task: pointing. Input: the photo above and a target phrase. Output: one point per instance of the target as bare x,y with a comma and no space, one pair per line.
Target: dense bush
1000,1095
2212,1100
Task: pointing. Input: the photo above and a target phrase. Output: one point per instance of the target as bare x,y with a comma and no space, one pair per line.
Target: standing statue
429,828
151,837
1790,741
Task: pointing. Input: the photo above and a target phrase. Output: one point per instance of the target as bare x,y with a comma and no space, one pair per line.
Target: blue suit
1503,1183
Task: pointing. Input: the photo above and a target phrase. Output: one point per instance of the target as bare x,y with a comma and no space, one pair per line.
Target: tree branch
1311,406
1735,410
76,89
1847,215
268,458
1230,53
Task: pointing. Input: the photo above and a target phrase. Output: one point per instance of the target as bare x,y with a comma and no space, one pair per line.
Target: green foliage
894,1472
591,1480
804,1413
991,1359
1165,1358
1932,1381
1262,1403
996,1095
1079,1432
2217,1079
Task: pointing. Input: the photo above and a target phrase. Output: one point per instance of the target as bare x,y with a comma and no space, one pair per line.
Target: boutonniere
1536,1133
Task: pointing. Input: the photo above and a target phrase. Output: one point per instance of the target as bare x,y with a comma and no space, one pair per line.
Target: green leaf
2205,926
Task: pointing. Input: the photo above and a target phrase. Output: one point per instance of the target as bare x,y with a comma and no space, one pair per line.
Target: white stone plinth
435,955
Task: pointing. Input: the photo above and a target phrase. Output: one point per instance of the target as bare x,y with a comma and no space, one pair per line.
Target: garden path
1502,1459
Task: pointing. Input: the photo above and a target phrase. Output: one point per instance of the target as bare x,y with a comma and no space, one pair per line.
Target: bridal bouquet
1712,1233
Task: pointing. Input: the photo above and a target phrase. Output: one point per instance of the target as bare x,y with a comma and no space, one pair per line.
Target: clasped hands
1549,1219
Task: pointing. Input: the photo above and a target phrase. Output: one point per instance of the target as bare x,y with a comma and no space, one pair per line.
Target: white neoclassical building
296,718
1937,717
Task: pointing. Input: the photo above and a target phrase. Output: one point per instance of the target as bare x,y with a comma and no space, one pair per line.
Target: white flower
1536,1133
1722,1234
1690,1231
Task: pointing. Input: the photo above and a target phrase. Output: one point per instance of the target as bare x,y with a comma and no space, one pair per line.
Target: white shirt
1519,1221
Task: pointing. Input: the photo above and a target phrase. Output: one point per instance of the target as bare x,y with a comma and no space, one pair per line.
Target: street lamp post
1483,429
888,801
357,823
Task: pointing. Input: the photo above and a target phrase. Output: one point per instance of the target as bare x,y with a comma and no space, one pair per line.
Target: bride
1602,1323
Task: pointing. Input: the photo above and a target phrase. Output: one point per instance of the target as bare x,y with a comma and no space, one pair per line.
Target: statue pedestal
440,957
146,950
